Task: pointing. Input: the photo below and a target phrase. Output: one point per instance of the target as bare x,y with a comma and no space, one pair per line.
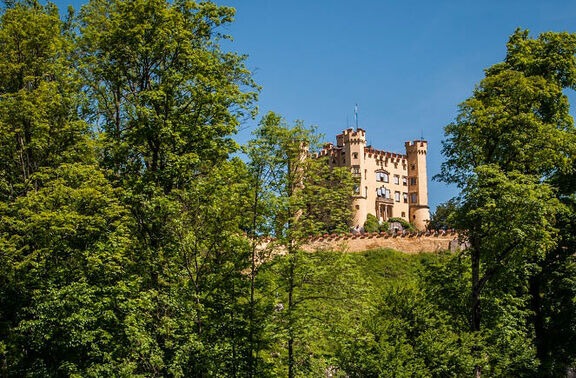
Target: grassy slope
390,267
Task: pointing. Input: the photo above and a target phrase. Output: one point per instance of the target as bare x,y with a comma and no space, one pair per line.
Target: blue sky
407,64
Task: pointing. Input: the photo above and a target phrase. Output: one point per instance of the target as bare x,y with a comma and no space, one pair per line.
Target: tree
506,218
518,116
441,218
39,97
553,289
165,100
371,224
65,250
166,97
514,132
309,198
406,335
50,224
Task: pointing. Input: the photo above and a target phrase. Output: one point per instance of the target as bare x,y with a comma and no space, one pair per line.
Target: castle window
404,180
397,196
405,195
413,167
396,179
355,155
365,174
382,176
413,181
356,189
403,215
383,192
414,197
356,171
365,191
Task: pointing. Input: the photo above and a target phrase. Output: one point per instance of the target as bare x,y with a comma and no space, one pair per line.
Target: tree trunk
290,315
475,298
538,320
254,241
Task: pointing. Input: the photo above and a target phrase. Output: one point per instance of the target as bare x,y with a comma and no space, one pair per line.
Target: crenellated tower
352,144
416,152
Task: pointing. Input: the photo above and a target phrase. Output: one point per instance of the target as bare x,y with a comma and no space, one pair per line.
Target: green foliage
39,97
306,198
406,336
513,212
553,289
384,227
512,142
130,260
65,247
168,98
310,197
518,116
327,295
442,217
371,224
505,346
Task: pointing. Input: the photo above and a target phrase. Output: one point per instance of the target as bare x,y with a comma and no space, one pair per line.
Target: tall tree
516,123
164,93
65,248
39,96
518,116
166,99
310,198
47,226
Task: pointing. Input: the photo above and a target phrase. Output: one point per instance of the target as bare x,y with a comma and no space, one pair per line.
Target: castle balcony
385,200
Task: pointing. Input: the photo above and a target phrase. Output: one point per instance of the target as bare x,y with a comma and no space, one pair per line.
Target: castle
389,185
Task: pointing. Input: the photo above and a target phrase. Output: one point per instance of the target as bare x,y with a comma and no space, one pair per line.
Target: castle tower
419,211
353,143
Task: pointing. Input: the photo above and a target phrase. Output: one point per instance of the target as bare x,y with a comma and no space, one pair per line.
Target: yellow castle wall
366,164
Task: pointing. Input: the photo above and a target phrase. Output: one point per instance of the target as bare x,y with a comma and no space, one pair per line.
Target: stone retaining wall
415,242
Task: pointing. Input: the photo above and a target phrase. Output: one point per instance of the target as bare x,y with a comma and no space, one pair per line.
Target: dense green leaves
371,224
511,151
165,94
306,197
39,97
518,116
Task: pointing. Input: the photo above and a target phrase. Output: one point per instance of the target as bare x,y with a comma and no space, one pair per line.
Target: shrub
371,224
384,227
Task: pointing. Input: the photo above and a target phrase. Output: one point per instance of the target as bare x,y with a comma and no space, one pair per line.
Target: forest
131,221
